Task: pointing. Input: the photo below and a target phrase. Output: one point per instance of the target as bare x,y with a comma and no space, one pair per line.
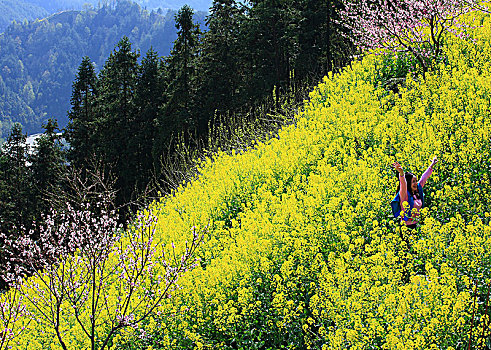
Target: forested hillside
39,60
20,11
53,6
197,5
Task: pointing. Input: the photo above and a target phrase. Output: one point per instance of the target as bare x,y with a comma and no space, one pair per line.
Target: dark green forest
137,121
38,60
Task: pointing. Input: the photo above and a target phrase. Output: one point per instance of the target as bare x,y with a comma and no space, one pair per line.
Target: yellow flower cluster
301,250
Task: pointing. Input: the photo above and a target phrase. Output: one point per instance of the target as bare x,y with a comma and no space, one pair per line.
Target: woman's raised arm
428,172
402,181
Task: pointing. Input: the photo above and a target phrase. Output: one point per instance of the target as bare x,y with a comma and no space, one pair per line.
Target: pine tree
181,77
273,44
80,132
149,99
47,166
323,44
116,116
223,66
16,195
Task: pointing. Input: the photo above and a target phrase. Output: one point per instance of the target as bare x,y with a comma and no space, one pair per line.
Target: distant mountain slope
39,60
57,5
198,5
19,11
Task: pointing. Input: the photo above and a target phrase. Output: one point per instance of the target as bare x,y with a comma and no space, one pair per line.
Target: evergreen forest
39,59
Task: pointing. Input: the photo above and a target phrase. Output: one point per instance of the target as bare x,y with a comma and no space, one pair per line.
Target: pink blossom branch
12,309
92,257
414,26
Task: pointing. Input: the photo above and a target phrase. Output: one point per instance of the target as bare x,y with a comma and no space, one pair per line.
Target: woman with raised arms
410,190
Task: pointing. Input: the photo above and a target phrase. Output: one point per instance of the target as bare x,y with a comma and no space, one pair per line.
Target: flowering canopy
414,26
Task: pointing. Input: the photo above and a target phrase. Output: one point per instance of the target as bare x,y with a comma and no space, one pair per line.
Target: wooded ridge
39,59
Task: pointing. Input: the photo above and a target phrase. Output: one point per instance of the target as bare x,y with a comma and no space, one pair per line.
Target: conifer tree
80,132
116,116
181,79
314,16
16,194
222,66
322,38
149,99
273,44
47,165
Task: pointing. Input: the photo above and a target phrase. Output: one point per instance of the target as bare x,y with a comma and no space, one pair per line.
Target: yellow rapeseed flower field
301,250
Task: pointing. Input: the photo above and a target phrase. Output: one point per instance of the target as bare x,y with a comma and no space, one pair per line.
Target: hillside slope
301,250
